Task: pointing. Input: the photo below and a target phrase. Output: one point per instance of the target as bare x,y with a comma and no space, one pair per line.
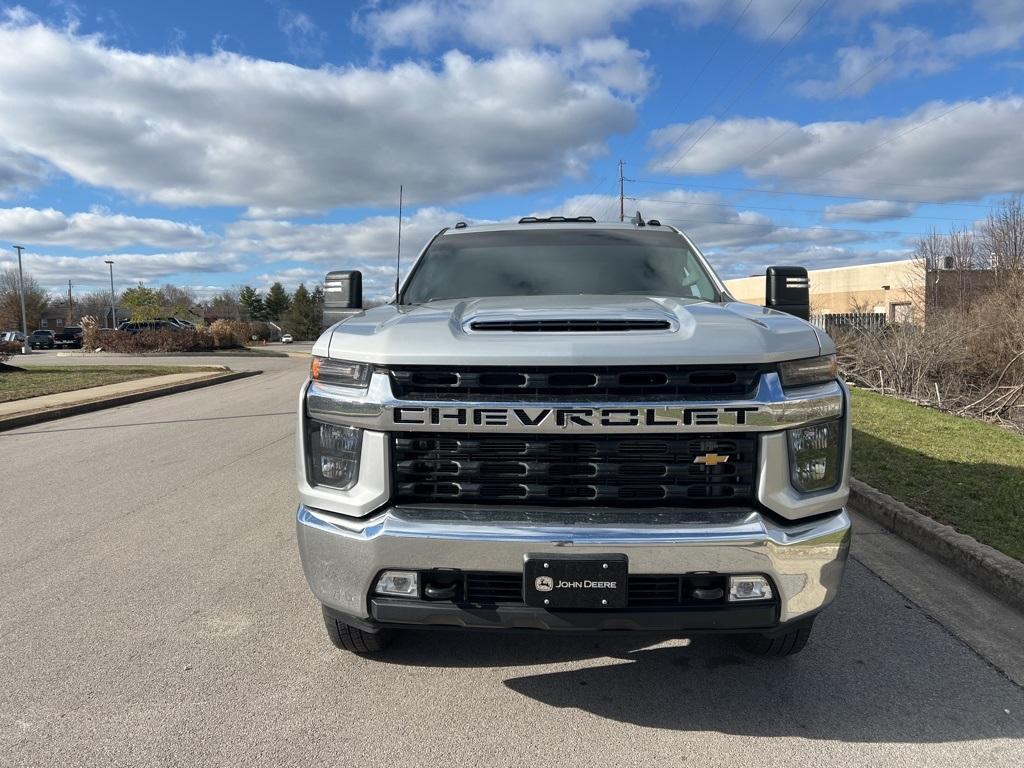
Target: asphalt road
153,612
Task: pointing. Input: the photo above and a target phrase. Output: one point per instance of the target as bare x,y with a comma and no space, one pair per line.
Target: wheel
777,646
353,639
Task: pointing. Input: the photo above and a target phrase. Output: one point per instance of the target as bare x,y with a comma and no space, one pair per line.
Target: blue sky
221,143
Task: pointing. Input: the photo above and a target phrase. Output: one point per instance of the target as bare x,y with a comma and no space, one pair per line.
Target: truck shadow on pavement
877,669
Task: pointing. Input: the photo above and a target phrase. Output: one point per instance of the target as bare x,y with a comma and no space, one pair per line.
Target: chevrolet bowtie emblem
711,459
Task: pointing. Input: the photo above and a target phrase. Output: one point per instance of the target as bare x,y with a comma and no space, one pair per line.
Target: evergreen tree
318,302
277,302
252,304
302,317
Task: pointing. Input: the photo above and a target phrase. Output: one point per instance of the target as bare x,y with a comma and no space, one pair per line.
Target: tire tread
353,639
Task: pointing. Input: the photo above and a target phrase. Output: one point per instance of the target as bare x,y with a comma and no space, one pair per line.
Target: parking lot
154,612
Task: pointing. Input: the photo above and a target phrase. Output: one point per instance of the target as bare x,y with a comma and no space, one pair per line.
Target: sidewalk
31,410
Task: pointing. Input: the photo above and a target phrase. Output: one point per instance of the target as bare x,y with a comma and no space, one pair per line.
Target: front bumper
342,557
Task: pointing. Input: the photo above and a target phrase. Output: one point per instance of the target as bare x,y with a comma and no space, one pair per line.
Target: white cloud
744,263
91,271
495,24
903,52
941,151
305,39
336,245
369,245
95,230
869,210
232,130
19,172
499,24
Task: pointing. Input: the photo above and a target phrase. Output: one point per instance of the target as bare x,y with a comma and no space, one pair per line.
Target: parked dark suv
41,339
151,325
71,336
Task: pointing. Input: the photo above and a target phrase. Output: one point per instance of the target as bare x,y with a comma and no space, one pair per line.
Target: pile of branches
970,364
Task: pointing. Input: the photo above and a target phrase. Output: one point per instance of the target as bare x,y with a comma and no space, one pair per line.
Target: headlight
814,456
342,372
812,370
333,454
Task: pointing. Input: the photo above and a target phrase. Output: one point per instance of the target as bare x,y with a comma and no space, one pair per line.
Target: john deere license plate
571,581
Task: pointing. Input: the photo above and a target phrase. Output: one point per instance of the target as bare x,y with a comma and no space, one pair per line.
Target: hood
569,330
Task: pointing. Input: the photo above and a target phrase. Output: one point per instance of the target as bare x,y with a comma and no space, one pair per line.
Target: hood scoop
565,314
575,325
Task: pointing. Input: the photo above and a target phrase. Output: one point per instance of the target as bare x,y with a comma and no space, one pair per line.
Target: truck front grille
576,383
644,591
551,470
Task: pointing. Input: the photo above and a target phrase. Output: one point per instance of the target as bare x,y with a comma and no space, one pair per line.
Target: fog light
398,584
749,588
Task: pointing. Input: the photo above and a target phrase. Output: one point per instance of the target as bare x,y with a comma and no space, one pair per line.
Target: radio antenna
398,258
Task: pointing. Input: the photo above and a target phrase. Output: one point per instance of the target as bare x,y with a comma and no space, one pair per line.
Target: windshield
558,262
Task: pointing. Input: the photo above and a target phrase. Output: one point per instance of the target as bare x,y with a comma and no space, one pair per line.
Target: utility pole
26,348
71,310
113,309
622,192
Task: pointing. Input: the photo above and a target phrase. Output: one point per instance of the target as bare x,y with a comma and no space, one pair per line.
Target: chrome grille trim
770,409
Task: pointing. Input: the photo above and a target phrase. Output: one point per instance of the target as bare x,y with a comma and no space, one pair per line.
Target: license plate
570,581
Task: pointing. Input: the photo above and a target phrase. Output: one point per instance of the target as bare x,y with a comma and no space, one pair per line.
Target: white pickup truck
567,425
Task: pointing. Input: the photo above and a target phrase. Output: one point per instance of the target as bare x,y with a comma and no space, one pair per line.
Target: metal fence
850,320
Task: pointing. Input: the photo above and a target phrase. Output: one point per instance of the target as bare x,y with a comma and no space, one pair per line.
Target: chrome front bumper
342,556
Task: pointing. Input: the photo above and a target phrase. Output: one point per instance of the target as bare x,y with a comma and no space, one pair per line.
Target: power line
913,128
849,85
773,225
733,204
757,76
721,91
762,191
584,197
721,41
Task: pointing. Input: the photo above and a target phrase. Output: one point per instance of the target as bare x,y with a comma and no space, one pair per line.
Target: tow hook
435,592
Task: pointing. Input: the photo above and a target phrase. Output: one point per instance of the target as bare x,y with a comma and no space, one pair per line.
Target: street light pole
25,346
113,309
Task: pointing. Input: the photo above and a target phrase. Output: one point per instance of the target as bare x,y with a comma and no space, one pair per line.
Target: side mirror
788,289
343,296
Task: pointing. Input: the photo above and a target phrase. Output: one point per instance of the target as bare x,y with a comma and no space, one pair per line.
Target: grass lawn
31,381
961,472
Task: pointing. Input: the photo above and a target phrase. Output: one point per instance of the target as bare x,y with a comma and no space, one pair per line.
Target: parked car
150,325
12,336
41,339
286,338
70,336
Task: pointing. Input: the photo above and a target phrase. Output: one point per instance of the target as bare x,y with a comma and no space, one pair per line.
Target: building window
42,322
60,322
901,312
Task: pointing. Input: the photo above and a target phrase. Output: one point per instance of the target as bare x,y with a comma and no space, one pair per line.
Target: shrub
223,334
968,361
7,349
229,333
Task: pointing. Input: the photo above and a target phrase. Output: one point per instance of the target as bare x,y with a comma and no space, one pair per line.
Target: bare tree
177,298
36,301
1002,239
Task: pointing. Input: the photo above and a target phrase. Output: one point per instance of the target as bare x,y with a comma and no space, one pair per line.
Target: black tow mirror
788,289
343,295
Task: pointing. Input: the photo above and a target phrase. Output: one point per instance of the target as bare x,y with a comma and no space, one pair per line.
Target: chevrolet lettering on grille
641,419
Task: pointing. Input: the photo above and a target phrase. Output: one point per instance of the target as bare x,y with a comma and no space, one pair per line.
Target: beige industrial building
891,287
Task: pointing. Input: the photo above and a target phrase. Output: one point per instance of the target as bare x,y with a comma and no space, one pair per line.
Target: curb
228,353
37,417
987,567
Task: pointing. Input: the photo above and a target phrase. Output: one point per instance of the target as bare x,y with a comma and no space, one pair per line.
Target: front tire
349,638
777,646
